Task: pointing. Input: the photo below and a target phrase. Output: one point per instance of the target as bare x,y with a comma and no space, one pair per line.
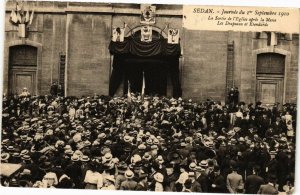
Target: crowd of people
148,143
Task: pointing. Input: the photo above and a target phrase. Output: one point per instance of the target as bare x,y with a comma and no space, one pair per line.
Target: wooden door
21,79
23,68
269,89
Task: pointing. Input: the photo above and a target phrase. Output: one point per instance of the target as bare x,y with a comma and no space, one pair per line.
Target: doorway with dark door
155,61
270,78
153,70
22,69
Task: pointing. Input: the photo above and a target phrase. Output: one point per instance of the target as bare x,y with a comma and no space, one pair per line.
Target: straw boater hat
135,158
159,177
10,148
24,152
160,159
107,157
84,158
129,174
75,158
203,163
192,166
5,156
16,155
110,178
146,156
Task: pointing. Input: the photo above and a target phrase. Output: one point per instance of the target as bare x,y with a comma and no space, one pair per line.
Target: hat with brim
46,165
84,158
105,150
5,141
25,172
75,158
122,167
10,148
127,138
5,156
26,157
68,147
129,174
102,136
203,164
160,159
146,156
127,149
159,177
16,155
199,169
272,152
192,166
24,152
142,147
107,157
110,178
69,152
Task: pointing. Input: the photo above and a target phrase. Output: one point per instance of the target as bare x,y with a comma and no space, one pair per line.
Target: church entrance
155,62
153,70
22,69
270,78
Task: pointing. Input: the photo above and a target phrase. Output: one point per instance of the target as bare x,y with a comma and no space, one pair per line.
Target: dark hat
216,168
122,167
46,165
26,157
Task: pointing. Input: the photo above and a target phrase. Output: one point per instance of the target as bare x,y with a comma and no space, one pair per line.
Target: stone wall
83,32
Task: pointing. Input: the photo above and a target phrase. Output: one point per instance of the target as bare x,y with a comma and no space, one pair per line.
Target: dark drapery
136,47
156,59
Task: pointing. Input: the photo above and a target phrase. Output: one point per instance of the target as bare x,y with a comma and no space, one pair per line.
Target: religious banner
118,34
146,34
173,36
147,14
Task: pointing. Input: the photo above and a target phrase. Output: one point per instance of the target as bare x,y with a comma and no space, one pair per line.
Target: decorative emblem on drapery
147,14
118,33
21,18
173,36
146,33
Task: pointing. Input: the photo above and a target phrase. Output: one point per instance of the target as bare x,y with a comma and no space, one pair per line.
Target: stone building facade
79,34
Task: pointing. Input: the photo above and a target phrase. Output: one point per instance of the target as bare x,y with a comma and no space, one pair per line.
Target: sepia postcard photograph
149,97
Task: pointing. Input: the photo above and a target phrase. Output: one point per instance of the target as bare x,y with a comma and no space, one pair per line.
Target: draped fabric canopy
155,59
134,46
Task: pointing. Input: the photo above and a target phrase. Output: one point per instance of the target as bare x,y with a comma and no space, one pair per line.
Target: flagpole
143,87
128,93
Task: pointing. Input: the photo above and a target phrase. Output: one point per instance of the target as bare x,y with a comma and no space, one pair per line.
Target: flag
273,39
19,18
31,17
143,87
19,7
27,17
128,93
147,14
146,33
173,36
13,16
118,34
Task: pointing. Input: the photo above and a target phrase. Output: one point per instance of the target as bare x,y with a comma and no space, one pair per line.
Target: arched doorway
22,68
270,70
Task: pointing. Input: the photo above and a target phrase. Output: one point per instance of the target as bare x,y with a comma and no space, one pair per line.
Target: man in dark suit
253,182
270,187
219,183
